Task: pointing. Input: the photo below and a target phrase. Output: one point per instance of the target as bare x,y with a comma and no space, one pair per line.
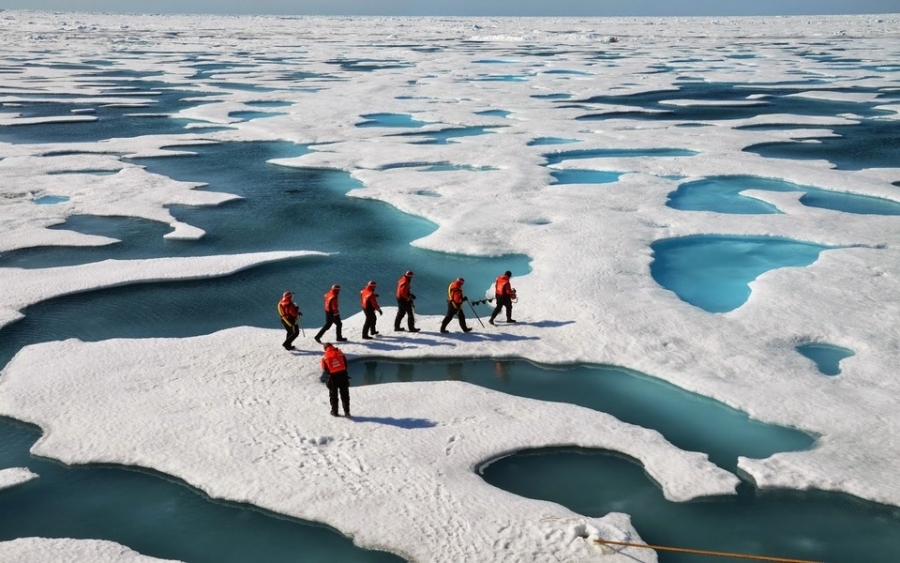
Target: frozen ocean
702,221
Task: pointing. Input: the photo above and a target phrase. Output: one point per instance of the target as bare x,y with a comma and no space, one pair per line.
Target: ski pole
476,313
300,324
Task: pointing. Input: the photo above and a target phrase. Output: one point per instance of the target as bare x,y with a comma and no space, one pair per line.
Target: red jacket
369,299
331,302
288,311
333,361
403,288
501,286
455,294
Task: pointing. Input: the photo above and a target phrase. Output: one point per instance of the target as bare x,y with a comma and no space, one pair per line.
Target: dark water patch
154,514
576,176
550,141
713,272
826,356
248,115
871,144
781,100
559,96
557,157
111,121
691,422
721,194
368,65
808,525
390,120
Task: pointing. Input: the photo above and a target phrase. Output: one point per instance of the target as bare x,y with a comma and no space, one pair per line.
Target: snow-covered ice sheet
402,476
12,476
42,550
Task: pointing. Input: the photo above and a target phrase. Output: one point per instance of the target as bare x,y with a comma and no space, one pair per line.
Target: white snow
42,550
229,416
13,476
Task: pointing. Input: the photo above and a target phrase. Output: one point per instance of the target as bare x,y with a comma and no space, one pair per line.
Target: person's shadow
407,423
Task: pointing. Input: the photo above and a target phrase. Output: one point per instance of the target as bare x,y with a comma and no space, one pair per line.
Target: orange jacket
331,302
369,299
333,360
403,288
455,293
501,286
288,311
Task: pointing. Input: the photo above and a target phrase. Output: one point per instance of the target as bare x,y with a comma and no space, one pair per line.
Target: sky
472,7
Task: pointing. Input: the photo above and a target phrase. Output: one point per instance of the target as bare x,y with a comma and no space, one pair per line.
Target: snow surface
13,476
403,475
42,550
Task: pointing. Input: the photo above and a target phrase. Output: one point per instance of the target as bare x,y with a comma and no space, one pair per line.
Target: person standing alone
405,303
290,316
335,365
504,293
369,300
455,300
332,315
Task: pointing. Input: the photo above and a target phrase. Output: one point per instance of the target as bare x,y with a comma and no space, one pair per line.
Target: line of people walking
333,361
290,314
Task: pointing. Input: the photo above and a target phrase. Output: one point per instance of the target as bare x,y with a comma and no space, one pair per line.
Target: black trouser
405,308
453,311
331,319
369,325
293,331
503,301
339,383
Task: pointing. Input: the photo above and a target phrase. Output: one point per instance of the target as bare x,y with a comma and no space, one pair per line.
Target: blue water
282,209
51,199
494,113
286,209
559,96
111,121
550,141
721,194
826,356
154,514
389,120
810,525
575,176
872,144
713,272
779,101
689,421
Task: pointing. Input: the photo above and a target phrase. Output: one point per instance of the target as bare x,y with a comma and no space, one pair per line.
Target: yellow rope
704,552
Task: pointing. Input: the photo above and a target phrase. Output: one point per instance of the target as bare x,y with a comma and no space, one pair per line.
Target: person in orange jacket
332,314
334,363
455,300
405,303
290,316
369,300
504,294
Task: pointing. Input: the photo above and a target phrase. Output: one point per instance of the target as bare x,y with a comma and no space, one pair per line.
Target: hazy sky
471,7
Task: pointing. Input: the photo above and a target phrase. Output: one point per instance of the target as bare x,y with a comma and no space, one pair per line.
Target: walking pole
476,313
300,324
